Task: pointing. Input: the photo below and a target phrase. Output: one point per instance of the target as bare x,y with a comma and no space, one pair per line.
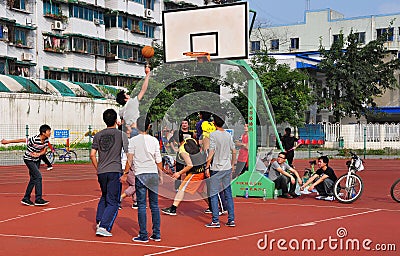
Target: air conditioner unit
27,56
57,25
148,13
96,21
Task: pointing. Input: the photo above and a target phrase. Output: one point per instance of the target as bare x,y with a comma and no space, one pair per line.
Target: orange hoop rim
198,55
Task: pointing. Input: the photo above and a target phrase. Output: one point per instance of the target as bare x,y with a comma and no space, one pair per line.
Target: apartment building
298,44
89,41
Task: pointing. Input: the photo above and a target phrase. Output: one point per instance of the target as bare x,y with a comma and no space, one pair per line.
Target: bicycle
349,187
62,154
395,191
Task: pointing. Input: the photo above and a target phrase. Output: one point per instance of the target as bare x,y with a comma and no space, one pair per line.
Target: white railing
374,136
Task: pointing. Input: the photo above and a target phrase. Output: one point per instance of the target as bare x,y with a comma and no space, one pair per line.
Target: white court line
9,193
43,211
321,206
85,241
262,232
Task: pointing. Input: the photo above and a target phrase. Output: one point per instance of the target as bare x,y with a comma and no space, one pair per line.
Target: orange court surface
301,226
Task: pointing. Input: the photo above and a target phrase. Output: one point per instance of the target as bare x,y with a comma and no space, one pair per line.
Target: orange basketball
147,52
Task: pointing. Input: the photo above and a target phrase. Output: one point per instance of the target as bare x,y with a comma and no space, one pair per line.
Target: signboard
255,183
61,134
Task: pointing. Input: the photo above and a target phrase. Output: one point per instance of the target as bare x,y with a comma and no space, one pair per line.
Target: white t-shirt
146,153
130,112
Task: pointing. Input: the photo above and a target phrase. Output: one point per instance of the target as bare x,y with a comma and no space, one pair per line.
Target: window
2,34
294,43
19,4
387,32
149,30
255,46
149,4
86,13
2,67
275,44
360,37
338,37
20,37
51,8
54,44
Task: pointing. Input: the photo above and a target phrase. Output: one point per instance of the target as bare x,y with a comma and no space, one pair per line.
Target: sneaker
140,239
119,207
329,198
287,196
155,238
41,202
320,197
102,232
305,192
169,211
294,195
27,202
50,168
208,210
223,212
97,225
134,206
213,225
230,224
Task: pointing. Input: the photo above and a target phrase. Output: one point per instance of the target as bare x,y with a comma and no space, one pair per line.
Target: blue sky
277,12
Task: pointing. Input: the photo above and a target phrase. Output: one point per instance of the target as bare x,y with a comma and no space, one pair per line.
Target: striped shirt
34,145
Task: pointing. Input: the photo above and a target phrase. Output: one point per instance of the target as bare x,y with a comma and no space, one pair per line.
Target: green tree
287,90
355,75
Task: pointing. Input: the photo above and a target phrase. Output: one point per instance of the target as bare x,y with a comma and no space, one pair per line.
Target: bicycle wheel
348,188
395,191
70,156
50,156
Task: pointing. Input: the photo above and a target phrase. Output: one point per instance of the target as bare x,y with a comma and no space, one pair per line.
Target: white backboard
221,30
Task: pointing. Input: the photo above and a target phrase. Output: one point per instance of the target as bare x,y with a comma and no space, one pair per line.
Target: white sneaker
305,192
329,198
50,168
103,232
320,197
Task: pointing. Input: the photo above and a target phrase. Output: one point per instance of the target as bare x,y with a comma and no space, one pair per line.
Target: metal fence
79,134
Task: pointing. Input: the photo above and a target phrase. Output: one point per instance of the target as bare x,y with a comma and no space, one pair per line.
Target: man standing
36,146
108,143
144,154
289,143
222,153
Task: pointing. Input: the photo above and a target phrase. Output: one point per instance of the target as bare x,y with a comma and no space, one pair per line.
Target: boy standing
144,154
108,143
326,179
36,146
222,153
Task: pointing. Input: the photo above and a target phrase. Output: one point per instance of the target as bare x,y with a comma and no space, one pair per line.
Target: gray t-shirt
109,143
273,173
222,144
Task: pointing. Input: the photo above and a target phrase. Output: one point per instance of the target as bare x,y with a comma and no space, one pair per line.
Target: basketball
148,52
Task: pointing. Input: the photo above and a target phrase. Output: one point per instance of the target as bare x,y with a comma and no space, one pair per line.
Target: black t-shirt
180,136
288,142
329,171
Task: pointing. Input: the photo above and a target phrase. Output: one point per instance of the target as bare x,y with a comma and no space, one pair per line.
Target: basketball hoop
200,56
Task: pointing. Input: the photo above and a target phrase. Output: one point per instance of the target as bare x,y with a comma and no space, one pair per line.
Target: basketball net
200,56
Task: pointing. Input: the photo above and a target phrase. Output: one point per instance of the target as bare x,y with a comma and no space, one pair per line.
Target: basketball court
67,225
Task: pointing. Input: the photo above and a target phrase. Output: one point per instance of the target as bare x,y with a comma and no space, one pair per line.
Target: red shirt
243,151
